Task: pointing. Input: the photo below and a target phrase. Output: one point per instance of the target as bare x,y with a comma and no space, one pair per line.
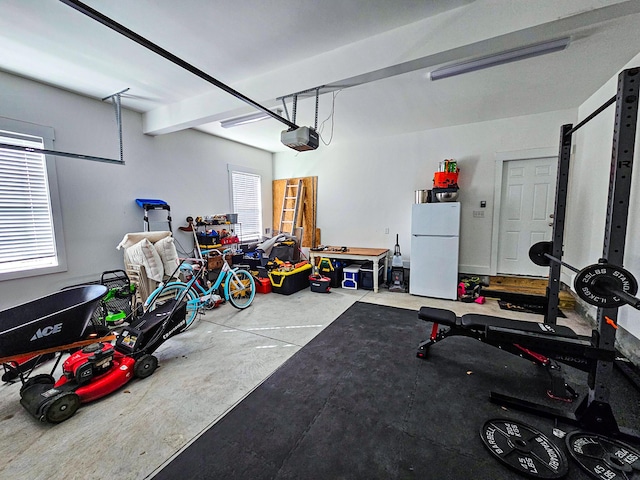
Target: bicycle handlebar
217,252
189,259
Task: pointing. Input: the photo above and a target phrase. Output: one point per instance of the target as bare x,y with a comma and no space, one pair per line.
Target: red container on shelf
229,240
445,179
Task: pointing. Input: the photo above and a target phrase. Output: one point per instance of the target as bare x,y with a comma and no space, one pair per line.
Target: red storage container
319,283
445,179
263,285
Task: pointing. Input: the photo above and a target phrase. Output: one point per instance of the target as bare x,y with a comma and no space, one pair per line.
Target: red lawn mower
96,366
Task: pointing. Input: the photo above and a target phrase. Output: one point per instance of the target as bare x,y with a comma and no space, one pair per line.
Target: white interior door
527,203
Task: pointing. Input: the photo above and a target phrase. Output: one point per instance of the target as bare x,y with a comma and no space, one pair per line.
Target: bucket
319,283
421,196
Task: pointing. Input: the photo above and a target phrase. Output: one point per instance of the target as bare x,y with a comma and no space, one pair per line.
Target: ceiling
373,58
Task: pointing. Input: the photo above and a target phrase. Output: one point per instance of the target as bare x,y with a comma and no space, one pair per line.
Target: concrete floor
203,373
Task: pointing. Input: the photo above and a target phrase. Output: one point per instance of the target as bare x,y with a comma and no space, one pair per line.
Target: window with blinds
247,203
27,239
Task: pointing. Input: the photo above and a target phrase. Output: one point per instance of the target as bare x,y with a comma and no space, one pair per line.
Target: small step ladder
291,202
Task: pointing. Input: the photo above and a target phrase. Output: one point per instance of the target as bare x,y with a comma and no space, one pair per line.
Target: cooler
351,276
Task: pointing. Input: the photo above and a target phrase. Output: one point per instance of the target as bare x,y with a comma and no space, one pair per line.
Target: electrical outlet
386,230
267,231
478,214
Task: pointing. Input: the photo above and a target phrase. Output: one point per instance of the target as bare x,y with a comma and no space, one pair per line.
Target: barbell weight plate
594,285
538,253
603,457
524,449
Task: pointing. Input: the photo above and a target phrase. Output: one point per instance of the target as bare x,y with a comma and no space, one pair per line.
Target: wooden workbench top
354,251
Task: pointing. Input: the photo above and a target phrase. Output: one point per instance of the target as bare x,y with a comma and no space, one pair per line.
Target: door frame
501,158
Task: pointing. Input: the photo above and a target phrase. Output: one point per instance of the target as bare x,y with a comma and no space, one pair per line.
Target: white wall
588,190
366,187
186,169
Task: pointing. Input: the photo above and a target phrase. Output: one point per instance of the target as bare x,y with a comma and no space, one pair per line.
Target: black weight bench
480,323
539,342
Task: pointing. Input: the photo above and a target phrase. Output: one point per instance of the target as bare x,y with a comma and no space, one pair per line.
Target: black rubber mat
356,403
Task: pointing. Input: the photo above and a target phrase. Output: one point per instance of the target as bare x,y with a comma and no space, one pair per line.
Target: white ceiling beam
484,28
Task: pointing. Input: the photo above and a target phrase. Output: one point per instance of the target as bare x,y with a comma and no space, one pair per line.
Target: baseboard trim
474,270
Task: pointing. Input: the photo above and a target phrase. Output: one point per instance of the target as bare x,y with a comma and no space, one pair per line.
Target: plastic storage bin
290,282
254,260
366,275
320,284
351,276
333,269
208,241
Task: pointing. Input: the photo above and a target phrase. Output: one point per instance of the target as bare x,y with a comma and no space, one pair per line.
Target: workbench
355,253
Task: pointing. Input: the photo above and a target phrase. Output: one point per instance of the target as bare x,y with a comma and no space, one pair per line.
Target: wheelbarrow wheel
145,366
61,407
41,378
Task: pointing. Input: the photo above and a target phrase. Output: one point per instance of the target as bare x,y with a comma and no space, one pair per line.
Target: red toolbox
263,285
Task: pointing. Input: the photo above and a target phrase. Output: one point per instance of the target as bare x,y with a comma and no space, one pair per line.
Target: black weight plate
593,282
538,253
524,449
602,457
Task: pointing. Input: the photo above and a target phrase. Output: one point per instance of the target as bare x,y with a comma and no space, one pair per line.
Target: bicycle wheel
173,291
240,288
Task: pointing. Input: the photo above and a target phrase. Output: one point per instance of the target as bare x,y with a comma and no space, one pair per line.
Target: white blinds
26,228
247,203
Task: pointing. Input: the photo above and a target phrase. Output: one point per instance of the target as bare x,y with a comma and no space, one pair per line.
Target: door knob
551,215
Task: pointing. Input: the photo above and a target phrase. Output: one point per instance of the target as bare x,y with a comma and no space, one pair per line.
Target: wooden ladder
291,201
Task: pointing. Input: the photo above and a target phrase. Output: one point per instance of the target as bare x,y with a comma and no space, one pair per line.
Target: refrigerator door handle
432,236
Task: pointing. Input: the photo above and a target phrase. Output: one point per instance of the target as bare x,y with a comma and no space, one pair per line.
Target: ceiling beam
353,65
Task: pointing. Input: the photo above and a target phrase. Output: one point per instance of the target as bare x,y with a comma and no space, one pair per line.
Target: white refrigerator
435,231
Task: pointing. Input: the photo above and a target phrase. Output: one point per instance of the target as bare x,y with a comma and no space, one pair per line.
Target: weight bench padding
474,321
438,315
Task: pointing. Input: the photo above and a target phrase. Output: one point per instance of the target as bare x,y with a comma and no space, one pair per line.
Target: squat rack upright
624,134
595,413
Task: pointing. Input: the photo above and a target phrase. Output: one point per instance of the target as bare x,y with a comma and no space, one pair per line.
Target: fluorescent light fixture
501,58
251,118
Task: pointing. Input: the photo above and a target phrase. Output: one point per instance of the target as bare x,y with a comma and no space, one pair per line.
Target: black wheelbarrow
96,367
54,323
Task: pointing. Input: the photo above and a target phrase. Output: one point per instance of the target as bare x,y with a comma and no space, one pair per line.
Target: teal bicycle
239,288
